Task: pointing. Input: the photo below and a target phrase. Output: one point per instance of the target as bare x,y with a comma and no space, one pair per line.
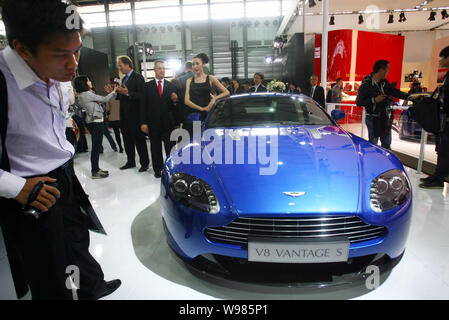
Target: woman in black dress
199,99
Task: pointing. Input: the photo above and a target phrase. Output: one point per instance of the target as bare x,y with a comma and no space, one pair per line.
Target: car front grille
296,228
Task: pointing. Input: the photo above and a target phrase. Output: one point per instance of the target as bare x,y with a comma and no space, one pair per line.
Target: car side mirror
338,114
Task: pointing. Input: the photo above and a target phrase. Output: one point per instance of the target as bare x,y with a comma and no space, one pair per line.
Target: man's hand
46,197
123,91
144,129
174,97
380,98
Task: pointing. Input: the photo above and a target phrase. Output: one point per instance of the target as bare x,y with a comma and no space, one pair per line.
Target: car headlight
194,193
389,190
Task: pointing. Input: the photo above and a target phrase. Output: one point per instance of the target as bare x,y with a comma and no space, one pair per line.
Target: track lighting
280,41
402,17
444,14
391,18
360,19
332,22
432,16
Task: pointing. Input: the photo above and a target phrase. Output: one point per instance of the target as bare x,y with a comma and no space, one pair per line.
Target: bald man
316,92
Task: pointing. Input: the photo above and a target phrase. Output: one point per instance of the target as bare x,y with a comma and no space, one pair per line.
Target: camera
388,100
30,211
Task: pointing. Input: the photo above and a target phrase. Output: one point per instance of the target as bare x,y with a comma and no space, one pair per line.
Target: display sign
269,250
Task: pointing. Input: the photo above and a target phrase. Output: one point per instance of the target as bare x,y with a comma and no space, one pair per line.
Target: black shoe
432,184
158,174
115,150
429,178
110,287
128,166
121,150
99,175
143,169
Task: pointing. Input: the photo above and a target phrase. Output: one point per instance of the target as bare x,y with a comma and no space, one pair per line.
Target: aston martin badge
294,194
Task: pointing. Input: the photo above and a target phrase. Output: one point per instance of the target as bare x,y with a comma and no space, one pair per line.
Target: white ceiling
416,20
343,5
357,5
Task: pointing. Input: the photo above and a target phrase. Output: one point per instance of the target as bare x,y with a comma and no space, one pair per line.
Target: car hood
318,168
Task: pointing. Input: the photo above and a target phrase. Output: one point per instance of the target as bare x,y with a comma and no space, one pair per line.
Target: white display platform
407,147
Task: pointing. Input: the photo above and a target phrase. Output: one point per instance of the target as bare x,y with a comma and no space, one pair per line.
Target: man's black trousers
156,139
44,251
134,138
442,149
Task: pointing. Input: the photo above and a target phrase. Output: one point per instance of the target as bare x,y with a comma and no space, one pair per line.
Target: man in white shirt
316,92
43,243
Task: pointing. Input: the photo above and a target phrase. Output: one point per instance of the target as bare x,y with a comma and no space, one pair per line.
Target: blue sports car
270,181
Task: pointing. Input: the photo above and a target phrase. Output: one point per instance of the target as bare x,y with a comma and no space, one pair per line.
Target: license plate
313,251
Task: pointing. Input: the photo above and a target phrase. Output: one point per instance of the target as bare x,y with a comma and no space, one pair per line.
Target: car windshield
267,111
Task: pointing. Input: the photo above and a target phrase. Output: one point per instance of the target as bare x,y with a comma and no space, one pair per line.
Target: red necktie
159,87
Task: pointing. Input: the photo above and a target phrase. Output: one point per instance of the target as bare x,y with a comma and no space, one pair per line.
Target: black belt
64,166
60,169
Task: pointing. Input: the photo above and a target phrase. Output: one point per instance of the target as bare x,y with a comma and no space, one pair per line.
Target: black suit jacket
159,113
318,96
368,91
261,88
130,105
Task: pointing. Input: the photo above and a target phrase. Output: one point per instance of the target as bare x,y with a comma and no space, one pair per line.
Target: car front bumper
185,230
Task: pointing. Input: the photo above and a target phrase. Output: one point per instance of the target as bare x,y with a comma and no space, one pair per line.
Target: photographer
436,181
376,95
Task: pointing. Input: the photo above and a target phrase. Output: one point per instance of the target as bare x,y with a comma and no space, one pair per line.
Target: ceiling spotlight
402,17
444,14
332,22
312,3
280,41
391,18
360,19
432,16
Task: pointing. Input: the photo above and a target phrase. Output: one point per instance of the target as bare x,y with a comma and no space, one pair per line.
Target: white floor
135,249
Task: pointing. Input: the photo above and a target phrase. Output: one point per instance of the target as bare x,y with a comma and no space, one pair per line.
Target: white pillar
304,17
144,58
324,45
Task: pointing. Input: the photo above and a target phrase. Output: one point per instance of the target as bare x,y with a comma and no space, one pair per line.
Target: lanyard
46,100
381,88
